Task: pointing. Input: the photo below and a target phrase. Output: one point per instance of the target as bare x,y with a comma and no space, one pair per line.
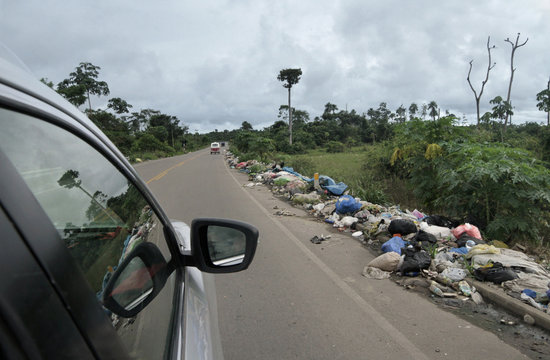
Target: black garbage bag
461,242
402,226
496,274
439,220
423,240
425,237
415,261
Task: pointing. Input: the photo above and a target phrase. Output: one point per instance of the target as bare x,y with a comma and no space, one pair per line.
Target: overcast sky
214,63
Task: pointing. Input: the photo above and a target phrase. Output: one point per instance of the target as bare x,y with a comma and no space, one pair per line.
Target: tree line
146,134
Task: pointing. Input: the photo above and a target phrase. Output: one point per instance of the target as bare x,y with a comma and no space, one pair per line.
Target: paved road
304,301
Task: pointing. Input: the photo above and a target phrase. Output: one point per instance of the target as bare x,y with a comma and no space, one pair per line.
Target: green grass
353,167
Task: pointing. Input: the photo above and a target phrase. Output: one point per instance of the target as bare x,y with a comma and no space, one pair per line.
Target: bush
506,189
367,188
295,148
335,147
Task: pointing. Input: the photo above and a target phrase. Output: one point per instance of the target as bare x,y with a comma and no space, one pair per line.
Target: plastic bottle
442,279
435,289
465,288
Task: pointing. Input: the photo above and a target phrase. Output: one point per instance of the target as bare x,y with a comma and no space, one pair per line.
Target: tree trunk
489,67
514,47
289,118
89,102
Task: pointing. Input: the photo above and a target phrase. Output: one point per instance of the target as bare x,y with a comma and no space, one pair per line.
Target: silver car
92,267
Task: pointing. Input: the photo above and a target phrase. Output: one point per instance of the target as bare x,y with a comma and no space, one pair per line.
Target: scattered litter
434,288
395,244
469,229
477,298
415,261
347,204
319,207
402,227
284,212
387,262
319,239
482,249
440,232
528,319
454,274
465,288
311,198
349,220
374,273
409,240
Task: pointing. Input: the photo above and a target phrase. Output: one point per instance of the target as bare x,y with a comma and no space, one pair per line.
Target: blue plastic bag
394,244
461,250
331,186
347,204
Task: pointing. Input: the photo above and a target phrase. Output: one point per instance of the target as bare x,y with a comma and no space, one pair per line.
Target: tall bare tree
489,67
515,46
289,77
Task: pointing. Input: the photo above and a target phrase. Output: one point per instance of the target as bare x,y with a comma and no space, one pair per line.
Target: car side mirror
136,281
221,245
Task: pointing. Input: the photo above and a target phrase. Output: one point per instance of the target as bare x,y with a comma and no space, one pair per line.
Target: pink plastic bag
469,229
418,214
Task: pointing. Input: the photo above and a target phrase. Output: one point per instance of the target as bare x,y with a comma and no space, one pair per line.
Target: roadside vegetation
436,165
146,134
493,174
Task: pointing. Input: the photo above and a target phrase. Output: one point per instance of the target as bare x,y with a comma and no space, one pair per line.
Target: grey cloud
214,64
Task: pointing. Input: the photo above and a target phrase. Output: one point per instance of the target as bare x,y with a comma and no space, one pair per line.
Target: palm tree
432,107
412,110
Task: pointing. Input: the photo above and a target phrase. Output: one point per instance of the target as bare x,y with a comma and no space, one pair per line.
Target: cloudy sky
214,63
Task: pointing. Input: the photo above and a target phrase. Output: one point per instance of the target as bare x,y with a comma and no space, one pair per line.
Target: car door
82,214
34,322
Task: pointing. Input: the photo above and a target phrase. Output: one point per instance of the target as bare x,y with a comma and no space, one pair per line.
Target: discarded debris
284,212
319,239
439,253
375,273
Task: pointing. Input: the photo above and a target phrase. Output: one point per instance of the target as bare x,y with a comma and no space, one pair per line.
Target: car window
100,215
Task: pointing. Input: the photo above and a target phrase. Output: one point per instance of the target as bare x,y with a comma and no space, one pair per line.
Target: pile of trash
437,248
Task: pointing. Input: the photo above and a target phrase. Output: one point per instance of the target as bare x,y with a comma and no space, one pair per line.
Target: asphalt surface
299,300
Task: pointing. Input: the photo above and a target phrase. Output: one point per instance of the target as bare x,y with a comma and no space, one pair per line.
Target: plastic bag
281,181
496,274
347,204
375,273
469,229
482,249
455,274
386,262
394,244
439,220
415,261
331,186
402,226
349,220
418,214
425,237
440,232
464,238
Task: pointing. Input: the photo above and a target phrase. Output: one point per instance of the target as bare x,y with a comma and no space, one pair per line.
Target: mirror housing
137,281
221,245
